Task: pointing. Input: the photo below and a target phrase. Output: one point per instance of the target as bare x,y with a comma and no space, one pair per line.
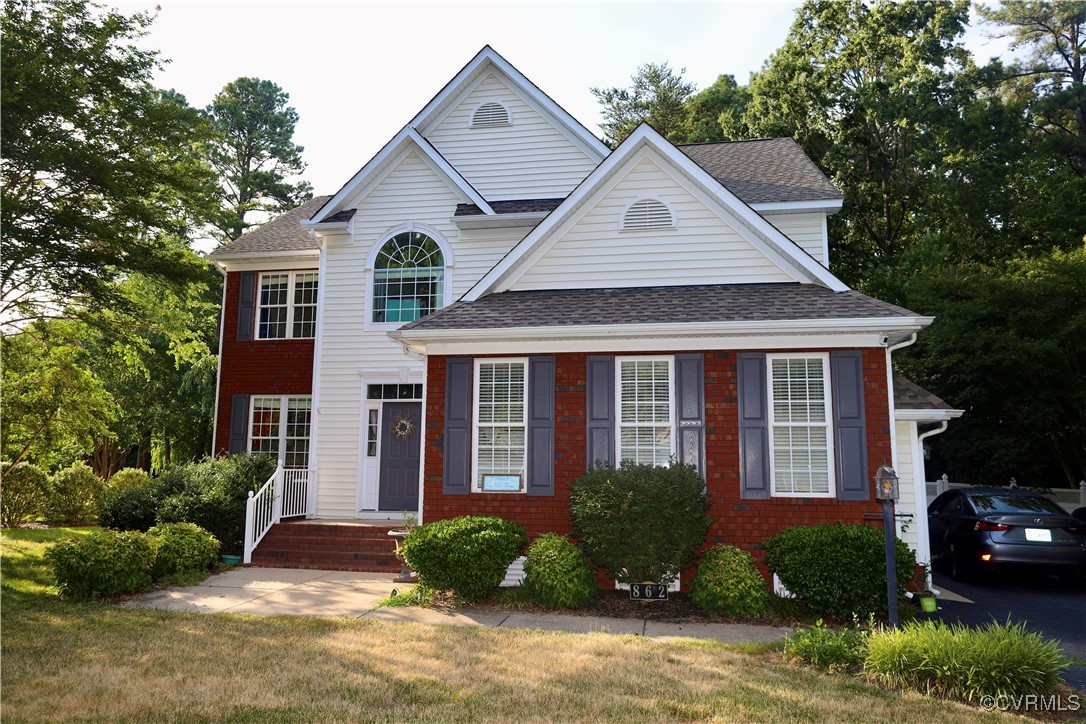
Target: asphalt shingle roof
764,170
656,305
910,396
519,206
283,233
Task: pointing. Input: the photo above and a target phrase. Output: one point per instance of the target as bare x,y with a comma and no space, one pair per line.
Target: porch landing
331,545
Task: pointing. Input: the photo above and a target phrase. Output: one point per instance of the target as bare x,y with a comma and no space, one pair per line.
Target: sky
357,72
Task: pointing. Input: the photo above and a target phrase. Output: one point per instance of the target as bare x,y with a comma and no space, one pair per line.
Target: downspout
921,492
218,361
314,428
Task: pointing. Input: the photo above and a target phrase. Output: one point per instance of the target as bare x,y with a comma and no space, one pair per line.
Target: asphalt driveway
1054,609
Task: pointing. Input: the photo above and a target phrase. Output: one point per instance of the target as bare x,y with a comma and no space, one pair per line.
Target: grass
97,661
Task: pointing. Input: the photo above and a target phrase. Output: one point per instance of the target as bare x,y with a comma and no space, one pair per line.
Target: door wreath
402,427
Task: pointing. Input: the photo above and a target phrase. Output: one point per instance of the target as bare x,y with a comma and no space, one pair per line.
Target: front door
398,488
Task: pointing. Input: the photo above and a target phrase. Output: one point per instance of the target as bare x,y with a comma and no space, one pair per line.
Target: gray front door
400,438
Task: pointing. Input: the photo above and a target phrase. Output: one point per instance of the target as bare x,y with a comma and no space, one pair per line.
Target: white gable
526,158
702,247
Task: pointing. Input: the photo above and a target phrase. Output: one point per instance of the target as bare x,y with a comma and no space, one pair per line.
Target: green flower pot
231,560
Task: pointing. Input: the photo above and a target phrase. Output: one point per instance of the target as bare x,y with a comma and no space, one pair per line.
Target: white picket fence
285,494
1066,498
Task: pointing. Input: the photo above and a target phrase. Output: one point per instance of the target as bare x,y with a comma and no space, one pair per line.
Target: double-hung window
501,421
645,433
800,433
287,306
280,428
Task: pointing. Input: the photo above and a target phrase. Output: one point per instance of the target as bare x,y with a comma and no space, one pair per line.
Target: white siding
703,248
905,433
807,230
352,355
528,159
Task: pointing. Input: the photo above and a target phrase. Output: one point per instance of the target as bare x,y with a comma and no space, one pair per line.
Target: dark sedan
979,529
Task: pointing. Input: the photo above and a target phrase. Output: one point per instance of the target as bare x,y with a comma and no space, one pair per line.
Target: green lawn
96,661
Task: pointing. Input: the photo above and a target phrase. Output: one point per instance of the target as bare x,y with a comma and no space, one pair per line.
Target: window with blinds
647,214
800,435
501,419
490,114
645,411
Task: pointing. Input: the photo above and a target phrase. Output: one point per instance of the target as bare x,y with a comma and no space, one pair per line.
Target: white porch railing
284,495
1066,498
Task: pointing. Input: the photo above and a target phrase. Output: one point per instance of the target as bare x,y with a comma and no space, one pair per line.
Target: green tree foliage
657,96
255,153
1009,346
101,171
1052,77
713,114
860,86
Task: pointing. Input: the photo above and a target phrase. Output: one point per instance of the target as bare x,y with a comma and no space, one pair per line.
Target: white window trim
283,408
476,485
670,209
371,263
508,115
292,277
771,423
670,359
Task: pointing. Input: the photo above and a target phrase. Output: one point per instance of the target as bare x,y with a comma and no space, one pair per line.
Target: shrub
126,479
641,522
182,547
837,569
212,495
827,648
103,563
73,493
558,574
996,660
468,555
24,493
136,508
729,583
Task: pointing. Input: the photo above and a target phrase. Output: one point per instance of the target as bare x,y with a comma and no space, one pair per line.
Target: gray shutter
753,427
458,386
600,410
239,425
541,426
690,425
246,306
849,425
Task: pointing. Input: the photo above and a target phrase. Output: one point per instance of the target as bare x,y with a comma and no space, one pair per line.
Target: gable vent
490,114
647,214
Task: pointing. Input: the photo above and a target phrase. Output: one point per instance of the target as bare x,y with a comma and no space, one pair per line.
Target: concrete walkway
355,595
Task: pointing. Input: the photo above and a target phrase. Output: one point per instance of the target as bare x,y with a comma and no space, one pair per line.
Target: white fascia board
390,151
268,262
827,206
571,127
499,221
881,326
505,273
909,415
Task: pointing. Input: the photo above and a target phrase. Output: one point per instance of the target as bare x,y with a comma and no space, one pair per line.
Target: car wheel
958,569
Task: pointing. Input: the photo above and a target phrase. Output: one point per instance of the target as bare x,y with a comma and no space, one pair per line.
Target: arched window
408,278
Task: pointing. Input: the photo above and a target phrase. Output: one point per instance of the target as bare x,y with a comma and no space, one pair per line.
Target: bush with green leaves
838,569
102,563
468,555
182,547
640,522
558,574
126,479
24,493
73,493
728,583
966,663
136,508
833,650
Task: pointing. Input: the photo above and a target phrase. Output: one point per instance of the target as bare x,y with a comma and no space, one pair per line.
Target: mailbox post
886,490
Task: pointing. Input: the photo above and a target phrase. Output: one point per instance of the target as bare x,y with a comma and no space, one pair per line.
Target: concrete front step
333,546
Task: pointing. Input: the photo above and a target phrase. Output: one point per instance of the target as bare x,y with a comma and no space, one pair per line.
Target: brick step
336,549
317,553
323,565
312,538
331,536
332,547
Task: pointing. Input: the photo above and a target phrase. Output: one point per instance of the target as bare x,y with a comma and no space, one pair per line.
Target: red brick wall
738,522
273,367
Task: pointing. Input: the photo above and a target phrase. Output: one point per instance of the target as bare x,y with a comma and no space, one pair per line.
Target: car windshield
1014,504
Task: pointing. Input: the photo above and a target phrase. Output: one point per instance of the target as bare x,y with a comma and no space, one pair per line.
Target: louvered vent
490,114
647,214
